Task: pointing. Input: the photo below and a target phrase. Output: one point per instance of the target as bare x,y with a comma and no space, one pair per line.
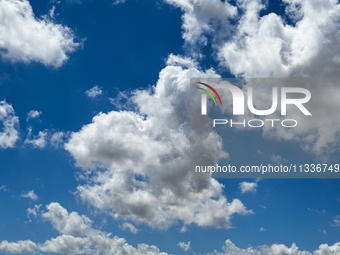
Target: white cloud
57,139
18,247
3,187
277,249
142,160
129,227
38,141
277,159
268,46
116,2
184,246
77,237
262,229
248,187
336,221
33,114
33,211
94,92
30,195
263,46
9,134
65,223
25,38
203,18
174,60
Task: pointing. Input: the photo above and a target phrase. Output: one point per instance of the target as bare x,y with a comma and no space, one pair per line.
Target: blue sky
115,157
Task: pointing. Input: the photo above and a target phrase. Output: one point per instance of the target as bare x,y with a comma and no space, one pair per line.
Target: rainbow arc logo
209,93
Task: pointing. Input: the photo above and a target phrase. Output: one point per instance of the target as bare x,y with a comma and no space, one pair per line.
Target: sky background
65,62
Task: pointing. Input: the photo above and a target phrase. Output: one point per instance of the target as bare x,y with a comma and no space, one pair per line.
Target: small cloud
33,115
38,141
30,195
262,229
94,92
123,101
183,229
33,211
116,2
129,227
178,60
184,246
248,186
277,159
316,210
57,139
263,206
336,221
324,232
3,188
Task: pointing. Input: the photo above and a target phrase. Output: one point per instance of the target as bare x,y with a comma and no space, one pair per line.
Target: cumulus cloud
177,60
30,195
268,46
33,211
276,249
33,114
129,227
303,44
18,247
77,237
137,163
336,221
184,246
57,139
38,141
69,224
25,38
9,133
248,186
94,92
202,18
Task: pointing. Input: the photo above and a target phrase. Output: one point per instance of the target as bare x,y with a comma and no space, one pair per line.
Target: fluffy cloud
305,43
202,18
65,223
77,237
94,92
33,114
137,163
129,227
38,141
269,47
30,195
25,38
277,249
184,246
336,221
248,186
18,247
9,134
33,211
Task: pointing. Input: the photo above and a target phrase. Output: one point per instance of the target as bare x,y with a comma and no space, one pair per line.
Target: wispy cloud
94,92
30,195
